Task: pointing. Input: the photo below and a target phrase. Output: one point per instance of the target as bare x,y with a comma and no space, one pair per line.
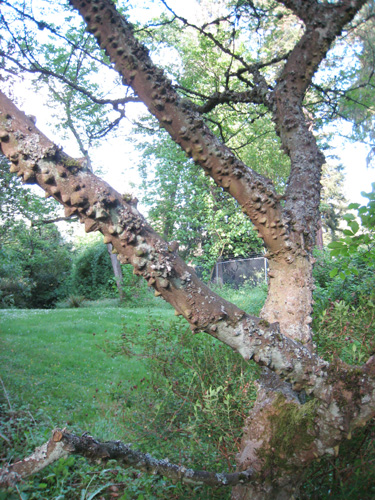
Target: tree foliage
92,272
357,247
186,206
35,263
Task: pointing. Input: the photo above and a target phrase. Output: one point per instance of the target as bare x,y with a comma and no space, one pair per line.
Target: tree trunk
117,271
283,433
289,297
276,442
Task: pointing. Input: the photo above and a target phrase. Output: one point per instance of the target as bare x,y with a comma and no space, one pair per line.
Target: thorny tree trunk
289,300
257,441
289,297
283,434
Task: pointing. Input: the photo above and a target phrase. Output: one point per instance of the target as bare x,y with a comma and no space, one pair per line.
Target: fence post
265,269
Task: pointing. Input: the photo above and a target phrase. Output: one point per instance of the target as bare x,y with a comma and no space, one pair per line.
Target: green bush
346,331
35,263
346,271
92,272
350,288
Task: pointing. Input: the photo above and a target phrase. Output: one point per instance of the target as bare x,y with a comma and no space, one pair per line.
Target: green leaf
333,272
336,253
348,217
336,244
354,226
354,206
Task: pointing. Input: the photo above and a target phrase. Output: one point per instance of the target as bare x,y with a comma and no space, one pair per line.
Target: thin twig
6,394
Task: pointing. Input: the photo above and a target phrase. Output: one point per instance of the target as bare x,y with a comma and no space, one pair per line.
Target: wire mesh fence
237,272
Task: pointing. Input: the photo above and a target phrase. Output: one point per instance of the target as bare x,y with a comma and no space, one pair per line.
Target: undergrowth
188,405
346,331
198,393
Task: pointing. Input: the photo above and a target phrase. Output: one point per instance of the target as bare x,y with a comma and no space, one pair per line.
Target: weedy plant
197,391
347,331
75,301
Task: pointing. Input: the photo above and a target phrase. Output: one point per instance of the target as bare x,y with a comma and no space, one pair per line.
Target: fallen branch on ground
63,443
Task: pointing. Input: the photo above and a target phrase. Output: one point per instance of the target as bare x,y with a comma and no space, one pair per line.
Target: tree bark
289,298
341,397
63,444
258,447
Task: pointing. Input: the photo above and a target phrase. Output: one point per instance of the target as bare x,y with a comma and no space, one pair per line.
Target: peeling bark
290,296
258,450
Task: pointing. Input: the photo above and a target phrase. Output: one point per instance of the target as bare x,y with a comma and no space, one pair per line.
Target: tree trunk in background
319,237
117,271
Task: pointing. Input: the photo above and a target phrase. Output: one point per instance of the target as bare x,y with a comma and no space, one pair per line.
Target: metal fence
236,272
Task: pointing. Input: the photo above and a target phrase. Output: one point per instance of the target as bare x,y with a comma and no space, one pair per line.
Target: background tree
186,206
340,397
35,263
333,204
92,272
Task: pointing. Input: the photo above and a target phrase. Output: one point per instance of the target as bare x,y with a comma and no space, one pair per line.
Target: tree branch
63,444
208,35
36,68
324,23
229,97
53,221
254,192
99,207
43,25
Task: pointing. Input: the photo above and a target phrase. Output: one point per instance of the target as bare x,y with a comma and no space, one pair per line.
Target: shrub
346,272
350,288
34,265
92,272
75,301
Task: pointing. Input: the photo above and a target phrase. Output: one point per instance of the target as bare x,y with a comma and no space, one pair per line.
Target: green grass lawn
59,370
54,361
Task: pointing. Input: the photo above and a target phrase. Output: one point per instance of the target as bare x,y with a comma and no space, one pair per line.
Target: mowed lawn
54,362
